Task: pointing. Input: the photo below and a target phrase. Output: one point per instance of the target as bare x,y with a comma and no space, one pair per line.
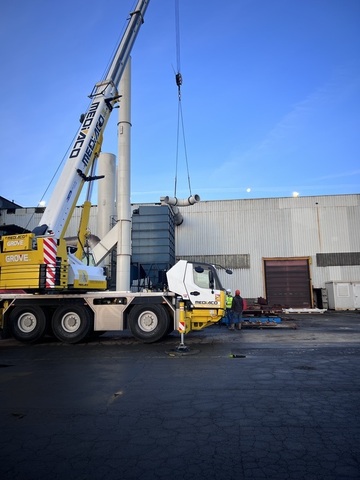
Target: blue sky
270,95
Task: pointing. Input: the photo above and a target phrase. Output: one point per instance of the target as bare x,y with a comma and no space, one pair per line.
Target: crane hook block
178,78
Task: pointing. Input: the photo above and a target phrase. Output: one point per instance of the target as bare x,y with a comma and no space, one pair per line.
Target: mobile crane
46,288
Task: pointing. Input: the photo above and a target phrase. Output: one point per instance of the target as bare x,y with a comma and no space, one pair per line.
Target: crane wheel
72,324
27,324
149,324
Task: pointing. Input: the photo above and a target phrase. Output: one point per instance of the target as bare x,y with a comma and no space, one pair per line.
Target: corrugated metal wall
274,228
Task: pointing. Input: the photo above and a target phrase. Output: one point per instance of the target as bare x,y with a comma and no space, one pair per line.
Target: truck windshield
205,276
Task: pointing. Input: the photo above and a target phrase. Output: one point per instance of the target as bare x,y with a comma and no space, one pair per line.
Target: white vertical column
123,183
106,193
106,196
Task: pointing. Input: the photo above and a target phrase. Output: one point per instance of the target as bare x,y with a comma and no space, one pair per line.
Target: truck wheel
72,324
171,327
27,324
149,324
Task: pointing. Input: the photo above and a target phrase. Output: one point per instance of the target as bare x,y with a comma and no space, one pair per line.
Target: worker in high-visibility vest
229,299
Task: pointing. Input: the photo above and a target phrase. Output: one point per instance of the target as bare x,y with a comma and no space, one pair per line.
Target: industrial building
301,252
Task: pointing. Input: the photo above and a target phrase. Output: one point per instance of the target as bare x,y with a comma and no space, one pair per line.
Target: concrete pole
123,183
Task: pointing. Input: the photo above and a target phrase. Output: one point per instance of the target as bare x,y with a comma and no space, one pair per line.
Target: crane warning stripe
50,261
181,327
50,250
50,277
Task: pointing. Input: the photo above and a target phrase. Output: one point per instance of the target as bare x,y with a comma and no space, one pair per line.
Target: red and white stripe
49,245
181,327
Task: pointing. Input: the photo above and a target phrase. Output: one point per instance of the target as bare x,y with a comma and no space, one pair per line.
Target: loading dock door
288,283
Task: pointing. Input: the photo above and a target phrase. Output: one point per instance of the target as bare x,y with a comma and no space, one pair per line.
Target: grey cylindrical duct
178,218
173,201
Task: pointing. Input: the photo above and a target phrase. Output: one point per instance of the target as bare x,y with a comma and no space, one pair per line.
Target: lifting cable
180,119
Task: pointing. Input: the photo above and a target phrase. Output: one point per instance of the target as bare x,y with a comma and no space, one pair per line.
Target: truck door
202,285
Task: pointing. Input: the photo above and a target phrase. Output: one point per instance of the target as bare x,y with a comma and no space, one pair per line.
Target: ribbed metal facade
301,227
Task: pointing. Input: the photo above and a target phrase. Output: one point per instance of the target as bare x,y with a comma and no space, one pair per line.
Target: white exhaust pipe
173,201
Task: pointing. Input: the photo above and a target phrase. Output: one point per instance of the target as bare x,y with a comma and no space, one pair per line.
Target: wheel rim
27,322
148,321
70,322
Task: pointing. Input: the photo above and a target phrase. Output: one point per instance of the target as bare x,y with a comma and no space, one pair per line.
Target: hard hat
228,290
237,292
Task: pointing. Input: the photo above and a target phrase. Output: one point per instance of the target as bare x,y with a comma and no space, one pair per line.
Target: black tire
72,324
171,327
27,324
149,324
98,334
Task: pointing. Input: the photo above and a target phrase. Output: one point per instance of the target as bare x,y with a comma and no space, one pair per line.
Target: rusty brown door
288,283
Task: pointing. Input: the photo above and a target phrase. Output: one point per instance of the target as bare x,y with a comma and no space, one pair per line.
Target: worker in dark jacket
237,308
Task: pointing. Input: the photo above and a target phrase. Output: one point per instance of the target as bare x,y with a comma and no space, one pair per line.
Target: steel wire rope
180,117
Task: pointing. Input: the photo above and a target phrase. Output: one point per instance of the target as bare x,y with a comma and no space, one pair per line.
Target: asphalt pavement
273,402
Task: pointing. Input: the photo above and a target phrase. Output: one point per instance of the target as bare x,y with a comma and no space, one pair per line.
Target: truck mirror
211,279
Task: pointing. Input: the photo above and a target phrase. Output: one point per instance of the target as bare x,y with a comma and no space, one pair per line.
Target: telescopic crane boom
86,146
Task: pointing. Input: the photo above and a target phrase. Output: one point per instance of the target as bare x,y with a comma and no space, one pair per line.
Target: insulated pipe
178,218
173,201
